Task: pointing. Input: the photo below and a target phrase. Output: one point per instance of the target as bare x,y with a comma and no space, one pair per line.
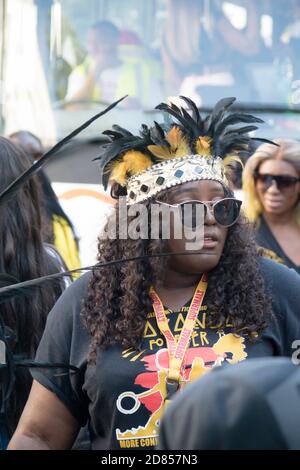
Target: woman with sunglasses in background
141,330
272,199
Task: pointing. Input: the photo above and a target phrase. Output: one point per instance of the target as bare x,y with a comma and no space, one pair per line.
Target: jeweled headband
167,174
188,148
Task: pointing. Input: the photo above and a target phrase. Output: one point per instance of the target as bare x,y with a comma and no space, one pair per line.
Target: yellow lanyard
177,349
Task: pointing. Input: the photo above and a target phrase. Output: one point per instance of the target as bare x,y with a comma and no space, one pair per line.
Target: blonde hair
289,151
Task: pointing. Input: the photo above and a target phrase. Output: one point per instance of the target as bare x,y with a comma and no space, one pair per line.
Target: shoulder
283,286
66,312
270,254
279,278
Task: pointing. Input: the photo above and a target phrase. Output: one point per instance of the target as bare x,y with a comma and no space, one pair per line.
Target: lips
273,202
210,240
273,199
211,235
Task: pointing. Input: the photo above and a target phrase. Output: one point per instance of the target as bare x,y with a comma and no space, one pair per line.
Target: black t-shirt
122,396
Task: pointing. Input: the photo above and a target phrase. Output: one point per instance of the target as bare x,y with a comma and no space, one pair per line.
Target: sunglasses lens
285,181
192,214
265,180
282,181
227,211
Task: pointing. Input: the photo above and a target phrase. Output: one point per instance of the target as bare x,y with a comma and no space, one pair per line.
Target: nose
209,218
273,189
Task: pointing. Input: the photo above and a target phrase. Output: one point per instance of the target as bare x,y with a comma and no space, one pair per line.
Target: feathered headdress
190,148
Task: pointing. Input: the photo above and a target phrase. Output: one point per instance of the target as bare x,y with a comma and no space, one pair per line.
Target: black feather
232,144
191,124
218,112
241,130
122,131
167,109
183,117
112,134
145,131
266,141
157,135
231,120
118,146
194,110
15,185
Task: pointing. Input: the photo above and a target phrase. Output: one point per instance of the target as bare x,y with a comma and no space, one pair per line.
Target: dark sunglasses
225,211
282,181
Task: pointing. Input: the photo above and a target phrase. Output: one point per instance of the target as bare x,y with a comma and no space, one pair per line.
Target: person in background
146,71
60,231
271,184
116,65
254,405
24,256
211,54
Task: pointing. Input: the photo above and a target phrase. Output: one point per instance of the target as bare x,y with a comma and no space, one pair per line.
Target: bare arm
46,423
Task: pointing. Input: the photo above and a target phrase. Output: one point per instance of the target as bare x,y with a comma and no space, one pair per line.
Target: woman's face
214,235
277,200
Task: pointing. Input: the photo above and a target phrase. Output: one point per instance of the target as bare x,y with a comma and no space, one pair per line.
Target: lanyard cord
178,349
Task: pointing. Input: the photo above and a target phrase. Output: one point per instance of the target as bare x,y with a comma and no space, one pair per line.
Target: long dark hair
52,206
33,147
23,255
117,302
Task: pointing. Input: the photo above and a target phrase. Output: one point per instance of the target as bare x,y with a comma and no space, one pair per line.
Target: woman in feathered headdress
143,328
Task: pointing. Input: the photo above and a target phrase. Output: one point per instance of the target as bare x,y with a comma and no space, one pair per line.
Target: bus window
87,54
154,49
225,50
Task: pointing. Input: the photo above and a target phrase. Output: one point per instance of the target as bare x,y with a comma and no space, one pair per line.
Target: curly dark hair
117,302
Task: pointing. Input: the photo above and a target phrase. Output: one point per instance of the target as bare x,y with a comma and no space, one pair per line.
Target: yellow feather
160,152
119,173
173,137
178,142
136,161
178,146
203,145
232,158
132,162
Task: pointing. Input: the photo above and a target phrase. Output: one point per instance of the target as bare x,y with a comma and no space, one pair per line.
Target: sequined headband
170,173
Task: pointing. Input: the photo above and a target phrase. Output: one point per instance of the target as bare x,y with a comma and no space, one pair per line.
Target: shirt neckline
280,251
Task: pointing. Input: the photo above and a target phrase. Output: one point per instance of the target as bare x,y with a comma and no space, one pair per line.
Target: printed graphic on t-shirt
208,349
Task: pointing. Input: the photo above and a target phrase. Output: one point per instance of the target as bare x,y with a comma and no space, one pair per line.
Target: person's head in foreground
140,330
254,405
272,181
